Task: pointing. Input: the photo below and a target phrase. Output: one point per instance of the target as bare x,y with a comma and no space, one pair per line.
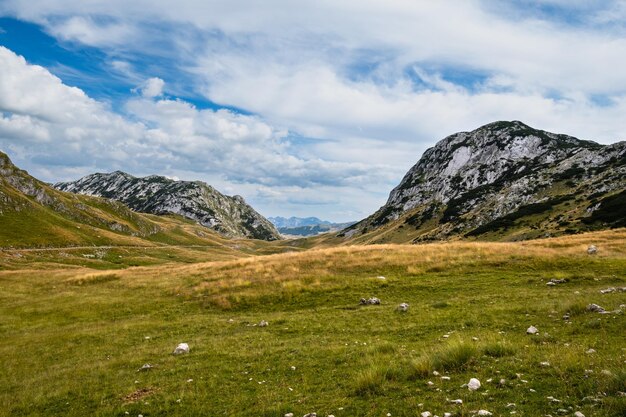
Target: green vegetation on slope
74,338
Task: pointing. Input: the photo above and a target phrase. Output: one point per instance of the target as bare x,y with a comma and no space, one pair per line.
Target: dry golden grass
225,283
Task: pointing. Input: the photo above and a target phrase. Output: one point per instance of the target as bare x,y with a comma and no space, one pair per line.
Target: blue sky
311,108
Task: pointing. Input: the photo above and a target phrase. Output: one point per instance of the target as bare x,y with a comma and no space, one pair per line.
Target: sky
304,108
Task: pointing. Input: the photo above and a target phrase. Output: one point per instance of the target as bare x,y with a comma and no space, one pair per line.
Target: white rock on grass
532,330
311,415
594,308
592,250
473,384
578,414
181,348
426,414
484,413
263,323
403,307
289,415
145,367
458,402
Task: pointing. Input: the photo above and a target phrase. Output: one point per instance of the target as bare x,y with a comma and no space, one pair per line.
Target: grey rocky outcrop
195,200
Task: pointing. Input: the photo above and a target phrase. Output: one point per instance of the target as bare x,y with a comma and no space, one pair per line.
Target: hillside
503,181
35,215
230,216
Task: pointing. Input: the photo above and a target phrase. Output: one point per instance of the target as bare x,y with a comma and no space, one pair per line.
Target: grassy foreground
73,338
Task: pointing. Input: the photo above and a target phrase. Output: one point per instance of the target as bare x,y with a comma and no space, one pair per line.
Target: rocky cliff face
469,180
230,216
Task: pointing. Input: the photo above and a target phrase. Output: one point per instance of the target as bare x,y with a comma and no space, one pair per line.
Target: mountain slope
34,215
504,180
230,216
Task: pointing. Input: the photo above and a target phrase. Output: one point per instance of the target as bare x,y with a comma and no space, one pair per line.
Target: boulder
473,384
592,250
594,308
403,307
532,330
181,348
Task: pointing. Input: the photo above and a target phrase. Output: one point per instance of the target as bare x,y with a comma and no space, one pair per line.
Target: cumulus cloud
152,87
367,98
45,122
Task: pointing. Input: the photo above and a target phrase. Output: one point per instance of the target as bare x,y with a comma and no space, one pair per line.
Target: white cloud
152,87
58,131
376,81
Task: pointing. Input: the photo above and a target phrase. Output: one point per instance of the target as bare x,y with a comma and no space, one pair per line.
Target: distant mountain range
308,226
195,200
503,181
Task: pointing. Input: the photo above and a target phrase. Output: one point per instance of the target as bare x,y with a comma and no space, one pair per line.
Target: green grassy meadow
73,333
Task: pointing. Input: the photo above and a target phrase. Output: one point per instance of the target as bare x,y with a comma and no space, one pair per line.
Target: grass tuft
498,349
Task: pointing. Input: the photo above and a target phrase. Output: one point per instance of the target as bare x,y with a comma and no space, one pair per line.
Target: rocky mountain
296,221
308,226
504,180
196,200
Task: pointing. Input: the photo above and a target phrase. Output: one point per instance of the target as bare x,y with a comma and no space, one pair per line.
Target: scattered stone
263,323
566,316
594,308
544,364
555,281
550,283
370,301
502,382
426,414
447,414
382,278
458,402
445,336
311,415
591,351
578,414
145,367
435,373
606,372
403,307
181,348
592,250
473,384
484,413
475,339
510,405
532,390
445,378
430,383
532,330
293,368
562,411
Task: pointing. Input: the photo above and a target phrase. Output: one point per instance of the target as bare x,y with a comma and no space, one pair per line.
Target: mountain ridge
194,200
470,179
